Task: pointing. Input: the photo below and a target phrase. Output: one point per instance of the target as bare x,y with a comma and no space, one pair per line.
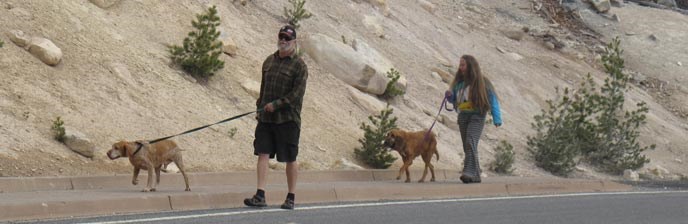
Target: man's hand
269,108
447,94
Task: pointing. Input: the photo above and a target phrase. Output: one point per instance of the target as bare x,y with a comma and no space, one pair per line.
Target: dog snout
113,154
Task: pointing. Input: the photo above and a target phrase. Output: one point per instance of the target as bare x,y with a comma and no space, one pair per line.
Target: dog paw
407,181
187,189
432,180
135,182
399,178
146,190
421,181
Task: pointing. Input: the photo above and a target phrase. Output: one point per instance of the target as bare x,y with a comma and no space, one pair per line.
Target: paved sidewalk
57,197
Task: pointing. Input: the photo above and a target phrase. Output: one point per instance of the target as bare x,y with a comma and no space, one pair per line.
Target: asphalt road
629,207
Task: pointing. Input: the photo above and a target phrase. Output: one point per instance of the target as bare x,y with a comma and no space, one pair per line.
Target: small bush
504,159
392,90
591,125
232,132
2,43
201,49
297,13
58,129
372,150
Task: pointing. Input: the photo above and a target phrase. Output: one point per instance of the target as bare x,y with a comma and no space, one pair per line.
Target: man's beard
285,48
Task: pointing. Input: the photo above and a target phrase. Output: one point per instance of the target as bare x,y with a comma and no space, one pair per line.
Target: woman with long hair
473,96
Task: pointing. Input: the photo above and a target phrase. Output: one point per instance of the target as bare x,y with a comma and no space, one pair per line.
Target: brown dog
411,145
149,157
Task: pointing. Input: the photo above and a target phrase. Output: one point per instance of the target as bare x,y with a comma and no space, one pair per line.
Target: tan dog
411,145
149,157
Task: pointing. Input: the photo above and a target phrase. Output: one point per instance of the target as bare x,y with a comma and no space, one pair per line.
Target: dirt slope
115,82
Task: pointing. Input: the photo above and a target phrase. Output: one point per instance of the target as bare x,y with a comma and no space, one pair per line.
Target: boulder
446,76
601,5
347,64
229,47
428,6
370,103
45,50
19,38
79,143
251,87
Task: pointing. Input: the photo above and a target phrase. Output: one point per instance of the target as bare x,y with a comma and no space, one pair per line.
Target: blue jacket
492,97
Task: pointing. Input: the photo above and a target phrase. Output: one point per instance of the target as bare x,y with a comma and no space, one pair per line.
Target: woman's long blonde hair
479,84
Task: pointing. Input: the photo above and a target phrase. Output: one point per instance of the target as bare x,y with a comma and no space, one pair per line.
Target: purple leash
443,104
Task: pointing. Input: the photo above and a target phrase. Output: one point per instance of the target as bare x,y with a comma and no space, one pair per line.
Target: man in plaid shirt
279,124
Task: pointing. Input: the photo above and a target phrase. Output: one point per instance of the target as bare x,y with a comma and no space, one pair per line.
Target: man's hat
289,31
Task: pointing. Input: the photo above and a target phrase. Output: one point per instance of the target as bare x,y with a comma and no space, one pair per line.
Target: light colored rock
515,56
549,45
229,46
366,101
501,50
378,61
601,5
104,4
345,63
678,160
121,71
19,38
252,87
667,3
516,35
631,175
45,50
428,6
344,164
446,76
436,76
372,23
79,143
617,3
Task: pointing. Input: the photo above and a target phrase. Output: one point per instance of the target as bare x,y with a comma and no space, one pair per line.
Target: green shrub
58,129
297,13
591,124
372,150
199,55
504,158
232,132
392,90
2,43
617,130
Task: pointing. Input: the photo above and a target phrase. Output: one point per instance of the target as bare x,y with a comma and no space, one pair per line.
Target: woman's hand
447,94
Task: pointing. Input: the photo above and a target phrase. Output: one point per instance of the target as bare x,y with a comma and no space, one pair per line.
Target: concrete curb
88,196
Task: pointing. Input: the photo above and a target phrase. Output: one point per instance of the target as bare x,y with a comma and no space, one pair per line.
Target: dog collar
137,148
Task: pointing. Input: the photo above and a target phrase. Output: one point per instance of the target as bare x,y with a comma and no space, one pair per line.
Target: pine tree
372,151
201,50
297,13
617,130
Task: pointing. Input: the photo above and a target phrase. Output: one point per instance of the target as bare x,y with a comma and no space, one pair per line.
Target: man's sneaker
288,204
255,201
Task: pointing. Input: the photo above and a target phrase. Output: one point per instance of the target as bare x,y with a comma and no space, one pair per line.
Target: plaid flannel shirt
283,84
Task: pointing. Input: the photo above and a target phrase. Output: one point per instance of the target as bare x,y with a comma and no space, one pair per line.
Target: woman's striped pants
471,127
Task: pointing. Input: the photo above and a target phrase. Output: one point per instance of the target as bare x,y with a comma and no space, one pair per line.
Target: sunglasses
285,37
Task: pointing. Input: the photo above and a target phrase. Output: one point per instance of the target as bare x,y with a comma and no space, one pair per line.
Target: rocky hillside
111,77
